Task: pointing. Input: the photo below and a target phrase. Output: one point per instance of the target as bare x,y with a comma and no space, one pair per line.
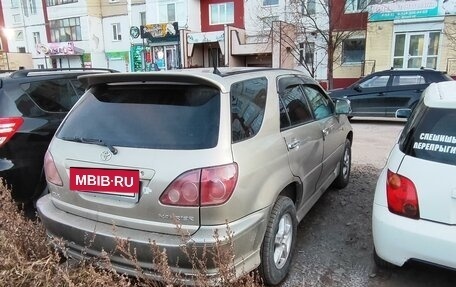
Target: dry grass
28,259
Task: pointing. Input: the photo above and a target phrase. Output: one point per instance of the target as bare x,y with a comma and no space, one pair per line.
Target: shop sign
160,32
58,49
117,55
386,10
208,37
134,32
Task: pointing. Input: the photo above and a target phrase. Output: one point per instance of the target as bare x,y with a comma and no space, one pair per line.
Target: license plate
110,181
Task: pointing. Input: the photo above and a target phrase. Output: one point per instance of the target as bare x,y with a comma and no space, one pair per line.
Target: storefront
412,30
206,49
160,48
61,55
118,61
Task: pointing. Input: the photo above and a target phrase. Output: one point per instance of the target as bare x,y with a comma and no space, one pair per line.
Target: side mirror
343,107
403,113
357,88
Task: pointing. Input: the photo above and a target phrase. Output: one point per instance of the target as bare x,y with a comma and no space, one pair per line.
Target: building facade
146,35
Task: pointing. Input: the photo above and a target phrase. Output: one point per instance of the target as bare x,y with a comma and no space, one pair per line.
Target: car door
367,98
405,91
302,135
331,129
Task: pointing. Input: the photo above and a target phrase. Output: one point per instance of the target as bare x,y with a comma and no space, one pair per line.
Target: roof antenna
214,62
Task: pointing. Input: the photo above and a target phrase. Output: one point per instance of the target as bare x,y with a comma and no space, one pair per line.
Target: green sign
136,58
117,55
386,10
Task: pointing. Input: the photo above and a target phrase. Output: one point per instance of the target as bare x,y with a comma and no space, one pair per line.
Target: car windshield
162,116
432,136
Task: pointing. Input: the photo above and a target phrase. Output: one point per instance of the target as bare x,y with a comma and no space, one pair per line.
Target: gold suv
253,148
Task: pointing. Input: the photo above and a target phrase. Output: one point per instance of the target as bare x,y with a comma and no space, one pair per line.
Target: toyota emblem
106,155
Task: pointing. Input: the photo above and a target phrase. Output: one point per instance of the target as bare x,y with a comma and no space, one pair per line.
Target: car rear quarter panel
435,188
263,168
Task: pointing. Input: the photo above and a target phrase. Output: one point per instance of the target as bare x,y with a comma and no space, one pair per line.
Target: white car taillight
402,196
8,127
52,175
202,187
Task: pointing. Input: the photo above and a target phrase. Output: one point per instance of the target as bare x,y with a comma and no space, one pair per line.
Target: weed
29,258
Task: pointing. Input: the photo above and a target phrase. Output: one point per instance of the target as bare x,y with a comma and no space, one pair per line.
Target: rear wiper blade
92,141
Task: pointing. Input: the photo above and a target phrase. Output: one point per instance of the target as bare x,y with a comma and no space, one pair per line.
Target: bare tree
316,22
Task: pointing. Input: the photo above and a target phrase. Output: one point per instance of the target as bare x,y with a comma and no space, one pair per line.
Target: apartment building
116,22
412,34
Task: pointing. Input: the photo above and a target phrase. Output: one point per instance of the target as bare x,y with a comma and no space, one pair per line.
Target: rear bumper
23,178
398,239
86,238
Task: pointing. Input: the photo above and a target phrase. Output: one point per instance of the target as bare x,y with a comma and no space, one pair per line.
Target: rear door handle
325,131
294,144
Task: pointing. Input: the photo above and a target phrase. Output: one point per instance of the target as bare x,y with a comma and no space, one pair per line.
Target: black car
382,93
32,105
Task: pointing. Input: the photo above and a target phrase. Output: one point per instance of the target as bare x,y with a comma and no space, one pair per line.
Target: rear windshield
430,134
171,116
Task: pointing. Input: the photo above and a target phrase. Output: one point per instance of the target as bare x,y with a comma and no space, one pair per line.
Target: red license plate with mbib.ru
121,181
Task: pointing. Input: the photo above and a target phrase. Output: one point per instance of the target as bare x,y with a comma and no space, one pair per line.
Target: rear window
430,134
161,116
56,95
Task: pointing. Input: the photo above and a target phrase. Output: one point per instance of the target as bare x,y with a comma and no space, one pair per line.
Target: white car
414,210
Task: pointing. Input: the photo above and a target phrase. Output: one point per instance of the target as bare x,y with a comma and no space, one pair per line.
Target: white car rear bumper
398,239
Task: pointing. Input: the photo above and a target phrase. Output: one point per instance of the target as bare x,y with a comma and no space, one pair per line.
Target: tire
382,263
279,242
343,178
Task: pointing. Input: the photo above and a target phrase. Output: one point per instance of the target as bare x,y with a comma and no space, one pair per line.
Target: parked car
32,105
414,209
253,148
382,93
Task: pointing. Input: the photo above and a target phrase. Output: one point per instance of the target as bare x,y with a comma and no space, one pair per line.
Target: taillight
52,175
202,187
8,127
402,196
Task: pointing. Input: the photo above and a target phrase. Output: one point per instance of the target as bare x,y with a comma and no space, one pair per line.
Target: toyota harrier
253,149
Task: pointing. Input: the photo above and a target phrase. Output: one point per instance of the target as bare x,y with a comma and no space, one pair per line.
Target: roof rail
25,72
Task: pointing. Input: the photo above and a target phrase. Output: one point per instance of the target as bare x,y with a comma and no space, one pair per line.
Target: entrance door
416,50
171,62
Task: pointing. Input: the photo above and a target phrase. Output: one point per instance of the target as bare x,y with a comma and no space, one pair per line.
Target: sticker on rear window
439,143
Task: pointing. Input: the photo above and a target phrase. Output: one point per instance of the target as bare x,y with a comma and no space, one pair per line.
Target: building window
353,50
142,16
40,66
267,22
415,50
36,37
59,2
19,35
14,3
309,7
167,13
270,2
21,49
25,8
116,36
64,30
222,13
355,5
17,18
32,5
306,53
171,8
